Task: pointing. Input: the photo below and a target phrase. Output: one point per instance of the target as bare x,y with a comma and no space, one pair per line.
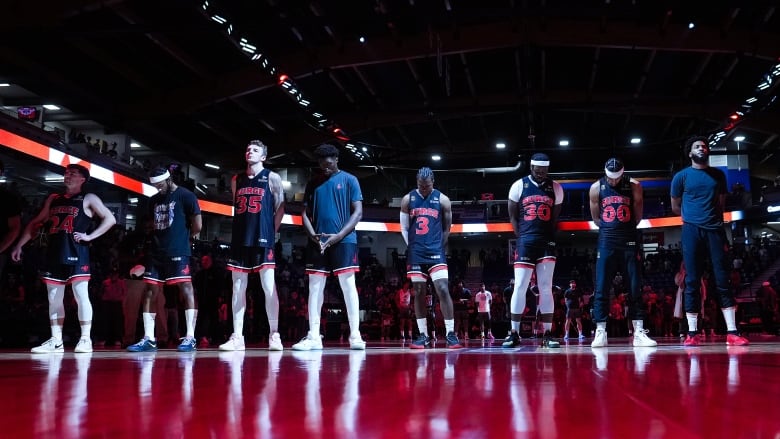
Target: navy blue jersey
66,216
171,212
536,216
253,212
616,213
425,225
329,202
699,190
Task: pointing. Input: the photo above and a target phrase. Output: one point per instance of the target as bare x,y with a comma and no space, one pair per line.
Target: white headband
616,174
540,163
159,178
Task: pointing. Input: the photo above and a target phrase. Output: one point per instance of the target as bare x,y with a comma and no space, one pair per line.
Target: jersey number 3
421,225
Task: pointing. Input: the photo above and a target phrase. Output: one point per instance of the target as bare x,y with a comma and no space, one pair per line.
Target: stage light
283,78
500,145
362,39
734,116
691,25
51,107
5,84
563,143
750,100
739,138
209,165
636,140
218,19
135,145
436,157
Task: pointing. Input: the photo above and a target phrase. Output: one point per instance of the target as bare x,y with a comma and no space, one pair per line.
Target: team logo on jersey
186,269
84,268
270,255
338,186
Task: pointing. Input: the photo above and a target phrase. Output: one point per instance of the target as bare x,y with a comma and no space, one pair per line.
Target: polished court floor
390,391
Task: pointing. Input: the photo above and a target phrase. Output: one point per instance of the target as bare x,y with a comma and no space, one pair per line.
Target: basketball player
67,220
177,219
534,205
426,218
258,208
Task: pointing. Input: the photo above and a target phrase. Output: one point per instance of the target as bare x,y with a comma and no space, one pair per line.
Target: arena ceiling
195,80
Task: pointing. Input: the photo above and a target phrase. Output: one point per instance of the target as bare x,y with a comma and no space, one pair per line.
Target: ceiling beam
584,32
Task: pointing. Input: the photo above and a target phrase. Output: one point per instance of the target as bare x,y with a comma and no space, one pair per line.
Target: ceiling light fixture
51,107
436,157
739,138
209,165
563,143
500,145
636,140
135,145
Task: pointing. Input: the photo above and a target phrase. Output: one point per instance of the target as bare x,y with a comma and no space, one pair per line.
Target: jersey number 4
56,226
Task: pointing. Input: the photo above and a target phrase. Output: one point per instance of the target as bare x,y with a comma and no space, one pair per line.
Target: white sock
729,316
422,325
515,326
638,325
449,325
238,327
86,329
693,321
190,315
148,318
56,332
602,326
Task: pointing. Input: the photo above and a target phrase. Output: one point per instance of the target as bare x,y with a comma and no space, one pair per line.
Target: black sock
692,334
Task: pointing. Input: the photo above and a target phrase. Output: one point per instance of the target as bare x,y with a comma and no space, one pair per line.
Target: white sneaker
50,346
600,339
357,343
83,346
308,343
234,343
275,342
642,340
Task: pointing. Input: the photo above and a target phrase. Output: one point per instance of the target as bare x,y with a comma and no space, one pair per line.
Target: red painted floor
390,391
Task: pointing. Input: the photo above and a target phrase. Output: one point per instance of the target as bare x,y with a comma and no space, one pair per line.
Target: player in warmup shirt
67,219
426,218
698,193
484,299
333,206
534,205
258,206
616,205
177,219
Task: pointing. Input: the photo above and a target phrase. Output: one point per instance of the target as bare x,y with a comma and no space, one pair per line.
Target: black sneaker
452,341
549,342
421,342
511,340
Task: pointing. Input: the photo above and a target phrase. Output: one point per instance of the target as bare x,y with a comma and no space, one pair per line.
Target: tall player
334,206
67,219
258,208
426,218
534,205
616,204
